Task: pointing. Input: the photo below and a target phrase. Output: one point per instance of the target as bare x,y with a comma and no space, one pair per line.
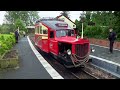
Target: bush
98,32
92,31
105,32
6,42
117,30
11,33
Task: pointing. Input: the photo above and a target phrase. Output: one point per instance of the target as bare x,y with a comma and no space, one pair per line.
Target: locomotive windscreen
65,32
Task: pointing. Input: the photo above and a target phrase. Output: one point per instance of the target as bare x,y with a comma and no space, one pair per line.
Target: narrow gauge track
82,74
75,73
91,72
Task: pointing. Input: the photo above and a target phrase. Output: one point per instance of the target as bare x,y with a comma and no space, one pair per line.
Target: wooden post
18,29
82,31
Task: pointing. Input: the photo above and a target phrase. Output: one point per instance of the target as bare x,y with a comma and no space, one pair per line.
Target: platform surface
30,67
103,52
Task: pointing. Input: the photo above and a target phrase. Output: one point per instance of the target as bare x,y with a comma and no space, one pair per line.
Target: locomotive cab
61,42
73,51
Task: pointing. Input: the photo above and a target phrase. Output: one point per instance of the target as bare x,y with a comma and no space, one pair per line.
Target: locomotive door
53,44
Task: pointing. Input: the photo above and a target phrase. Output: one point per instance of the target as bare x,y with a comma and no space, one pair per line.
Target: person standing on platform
112,36
24,33
16,35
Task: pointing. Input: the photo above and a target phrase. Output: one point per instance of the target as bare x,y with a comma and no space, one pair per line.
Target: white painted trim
53,73
104,47
105,60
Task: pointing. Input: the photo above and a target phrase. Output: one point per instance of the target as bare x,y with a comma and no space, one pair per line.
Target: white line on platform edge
105,60
53,73
104,47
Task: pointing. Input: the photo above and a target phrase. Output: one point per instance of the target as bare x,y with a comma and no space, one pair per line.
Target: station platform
106,61
32,65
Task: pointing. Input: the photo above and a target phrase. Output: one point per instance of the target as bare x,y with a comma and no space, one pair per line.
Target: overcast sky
73,14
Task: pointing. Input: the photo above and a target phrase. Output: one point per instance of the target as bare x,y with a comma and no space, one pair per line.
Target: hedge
6,42
99,32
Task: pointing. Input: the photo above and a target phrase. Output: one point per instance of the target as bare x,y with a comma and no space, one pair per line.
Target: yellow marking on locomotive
45,36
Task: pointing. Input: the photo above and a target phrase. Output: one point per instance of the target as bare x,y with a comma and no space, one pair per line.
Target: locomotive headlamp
69,52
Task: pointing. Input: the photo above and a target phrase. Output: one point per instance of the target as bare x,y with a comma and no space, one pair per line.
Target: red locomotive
54,36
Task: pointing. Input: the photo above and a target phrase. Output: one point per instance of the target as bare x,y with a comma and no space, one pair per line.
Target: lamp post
82,18
18,29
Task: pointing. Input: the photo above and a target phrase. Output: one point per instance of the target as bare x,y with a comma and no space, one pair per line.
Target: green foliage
6,28
19,23
21,19
28,17
6,42
91,31
11,33
78,25
105,32
99,32
103,20
117,30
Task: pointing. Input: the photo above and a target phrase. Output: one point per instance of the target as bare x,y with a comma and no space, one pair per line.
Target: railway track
91,72
93,76
82,74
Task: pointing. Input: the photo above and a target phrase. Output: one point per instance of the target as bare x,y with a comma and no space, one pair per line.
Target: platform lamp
82,19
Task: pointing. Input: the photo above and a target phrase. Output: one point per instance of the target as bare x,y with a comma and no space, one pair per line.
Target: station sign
61,25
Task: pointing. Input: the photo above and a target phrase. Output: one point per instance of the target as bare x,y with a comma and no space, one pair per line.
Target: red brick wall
104,43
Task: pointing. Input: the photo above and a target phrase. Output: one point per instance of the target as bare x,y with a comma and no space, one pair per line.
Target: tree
117,16
88,16
117,23
103,18
19,23
28,17
6,28
20,18
33,16
65,13
78,26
